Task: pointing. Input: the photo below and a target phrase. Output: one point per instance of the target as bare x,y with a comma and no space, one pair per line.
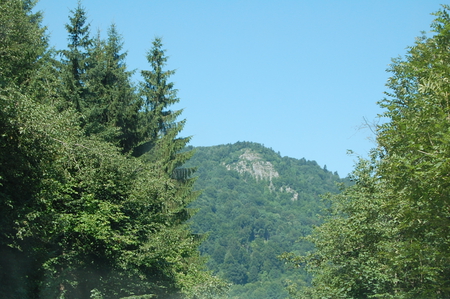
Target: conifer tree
161,143
79,218
125,105
159,123
74,65
112,105
22,41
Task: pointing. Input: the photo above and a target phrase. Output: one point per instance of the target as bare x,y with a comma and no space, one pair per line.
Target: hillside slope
256,205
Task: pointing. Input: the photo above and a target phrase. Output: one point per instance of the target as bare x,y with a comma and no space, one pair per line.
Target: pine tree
157,94
124,108
112,105
161,147
74,65
161,143
22,41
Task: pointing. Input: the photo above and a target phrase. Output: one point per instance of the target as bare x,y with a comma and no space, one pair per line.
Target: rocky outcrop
253,164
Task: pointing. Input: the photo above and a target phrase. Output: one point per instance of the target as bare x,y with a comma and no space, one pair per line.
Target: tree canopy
387,236
94,199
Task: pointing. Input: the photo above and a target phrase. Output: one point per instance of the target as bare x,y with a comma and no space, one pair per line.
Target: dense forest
94,198
254,206
100,196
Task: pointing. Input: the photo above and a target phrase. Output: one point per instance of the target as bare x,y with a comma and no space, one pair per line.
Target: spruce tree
125,104
74,64
23,42
161,144
112,105
160,128
79,218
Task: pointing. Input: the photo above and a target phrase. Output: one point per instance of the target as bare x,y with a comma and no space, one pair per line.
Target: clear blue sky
297,76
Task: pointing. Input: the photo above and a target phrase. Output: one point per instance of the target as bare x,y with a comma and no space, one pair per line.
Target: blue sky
300,77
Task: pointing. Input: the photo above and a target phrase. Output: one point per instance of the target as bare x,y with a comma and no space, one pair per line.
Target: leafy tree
22,52
387,236
414,150
353,244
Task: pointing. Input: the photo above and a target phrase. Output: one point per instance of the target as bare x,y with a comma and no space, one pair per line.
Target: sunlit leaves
388,235
80,216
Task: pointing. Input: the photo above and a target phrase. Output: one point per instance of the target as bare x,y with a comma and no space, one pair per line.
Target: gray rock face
253,164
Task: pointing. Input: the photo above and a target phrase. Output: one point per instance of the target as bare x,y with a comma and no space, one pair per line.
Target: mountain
255,205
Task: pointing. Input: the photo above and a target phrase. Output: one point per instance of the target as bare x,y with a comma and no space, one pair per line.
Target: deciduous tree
388,235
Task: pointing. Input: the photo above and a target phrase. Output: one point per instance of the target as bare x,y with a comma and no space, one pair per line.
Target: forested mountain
256,205
98,190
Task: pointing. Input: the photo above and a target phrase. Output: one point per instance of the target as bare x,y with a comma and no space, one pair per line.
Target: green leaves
387,236
80,217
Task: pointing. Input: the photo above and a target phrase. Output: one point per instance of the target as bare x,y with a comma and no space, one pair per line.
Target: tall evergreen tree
125,105
22,41
75,58
112,106
158,95
161,143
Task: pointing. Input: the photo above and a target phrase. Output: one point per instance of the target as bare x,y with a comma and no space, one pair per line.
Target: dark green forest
255,206
102,197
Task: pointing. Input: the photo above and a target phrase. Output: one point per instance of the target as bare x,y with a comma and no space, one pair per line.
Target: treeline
93,193
388,235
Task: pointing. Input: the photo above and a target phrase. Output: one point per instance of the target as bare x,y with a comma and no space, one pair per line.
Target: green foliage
112,104
75,64
353,244
250,221
388,235
157,121
80,216
22,42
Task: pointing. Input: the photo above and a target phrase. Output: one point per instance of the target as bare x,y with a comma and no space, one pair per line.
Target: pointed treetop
78,29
